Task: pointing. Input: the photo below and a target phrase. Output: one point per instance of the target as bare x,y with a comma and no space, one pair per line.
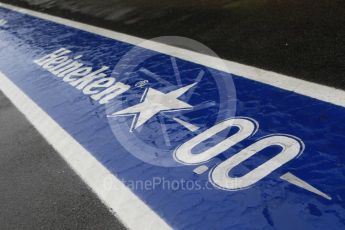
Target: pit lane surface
38,190
303,39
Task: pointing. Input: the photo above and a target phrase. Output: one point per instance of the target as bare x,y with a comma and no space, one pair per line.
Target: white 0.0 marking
246,126
291,147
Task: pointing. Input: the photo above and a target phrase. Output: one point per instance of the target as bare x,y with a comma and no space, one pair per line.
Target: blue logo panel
203,148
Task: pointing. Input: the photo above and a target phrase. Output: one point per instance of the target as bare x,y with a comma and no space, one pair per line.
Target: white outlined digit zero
291,146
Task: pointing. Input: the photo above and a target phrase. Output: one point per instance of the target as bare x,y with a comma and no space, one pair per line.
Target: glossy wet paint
271,203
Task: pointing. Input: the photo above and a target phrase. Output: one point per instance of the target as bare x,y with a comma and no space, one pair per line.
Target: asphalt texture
38,190
300,38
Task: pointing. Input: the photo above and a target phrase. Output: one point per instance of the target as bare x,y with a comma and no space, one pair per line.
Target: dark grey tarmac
38,190
300,38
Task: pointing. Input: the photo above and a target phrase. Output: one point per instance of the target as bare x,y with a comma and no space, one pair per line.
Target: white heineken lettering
94,83
110,92
99,87
84,81
77,73
52,56
52,63
61,67
101,83
69,68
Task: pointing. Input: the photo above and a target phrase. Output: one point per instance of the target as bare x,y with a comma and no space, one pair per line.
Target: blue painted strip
271,203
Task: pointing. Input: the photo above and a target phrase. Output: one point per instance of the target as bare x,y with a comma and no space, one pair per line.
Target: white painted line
154,76
201,169
289,177
176,71
314,90
130,210
188,125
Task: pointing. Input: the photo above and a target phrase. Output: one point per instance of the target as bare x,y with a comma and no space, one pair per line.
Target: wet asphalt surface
300,38
304,39
38,190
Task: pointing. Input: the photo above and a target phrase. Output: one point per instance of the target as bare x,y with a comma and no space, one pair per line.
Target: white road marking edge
314,90
132,211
